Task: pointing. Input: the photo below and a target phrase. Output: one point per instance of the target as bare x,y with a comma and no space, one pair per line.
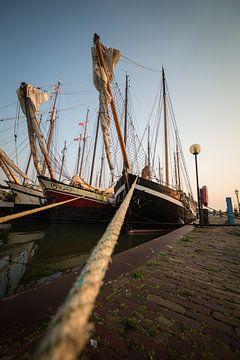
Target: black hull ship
154,205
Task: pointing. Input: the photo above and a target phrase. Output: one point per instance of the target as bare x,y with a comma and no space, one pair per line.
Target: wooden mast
125,116
30,131
165,129
178,167
94,150
101,169
84,143
159,170
9,167
175,169
63,159
79,152
112,103
8,172
52,124
32,145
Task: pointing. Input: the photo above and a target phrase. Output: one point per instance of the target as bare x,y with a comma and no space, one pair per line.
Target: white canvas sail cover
36,97
101,78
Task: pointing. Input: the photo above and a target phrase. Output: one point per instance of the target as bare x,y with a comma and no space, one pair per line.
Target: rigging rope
139,65
185,173
71,328
5,106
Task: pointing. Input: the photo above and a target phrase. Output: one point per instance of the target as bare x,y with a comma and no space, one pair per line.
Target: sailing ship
154,203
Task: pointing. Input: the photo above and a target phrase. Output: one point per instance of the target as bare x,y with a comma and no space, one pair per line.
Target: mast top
96,37
163,80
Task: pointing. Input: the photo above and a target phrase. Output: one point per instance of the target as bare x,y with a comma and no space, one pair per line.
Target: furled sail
30,99
101,77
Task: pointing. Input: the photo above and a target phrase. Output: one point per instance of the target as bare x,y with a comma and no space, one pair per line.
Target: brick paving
176,297
182,303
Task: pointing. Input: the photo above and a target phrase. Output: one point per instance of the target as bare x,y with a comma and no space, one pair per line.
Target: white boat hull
24,195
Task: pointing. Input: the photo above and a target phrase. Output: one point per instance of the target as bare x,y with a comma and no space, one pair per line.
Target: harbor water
37,252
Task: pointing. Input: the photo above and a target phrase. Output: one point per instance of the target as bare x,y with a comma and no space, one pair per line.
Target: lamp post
195,150
238,204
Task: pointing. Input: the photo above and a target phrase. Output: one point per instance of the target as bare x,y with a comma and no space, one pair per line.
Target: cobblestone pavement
182,304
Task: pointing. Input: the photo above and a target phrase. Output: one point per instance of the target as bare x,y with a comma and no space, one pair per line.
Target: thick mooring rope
71,328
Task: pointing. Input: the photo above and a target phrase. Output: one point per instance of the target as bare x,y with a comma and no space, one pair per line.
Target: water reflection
34,253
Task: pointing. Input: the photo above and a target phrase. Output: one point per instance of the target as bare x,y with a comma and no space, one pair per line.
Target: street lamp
238,204
195,150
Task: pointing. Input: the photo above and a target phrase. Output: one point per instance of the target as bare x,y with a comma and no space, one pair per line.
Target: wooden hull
91,207
153,205
26,196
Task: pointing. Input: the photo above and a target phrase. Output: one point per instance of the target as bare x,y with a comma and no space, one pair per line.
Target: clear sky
196,41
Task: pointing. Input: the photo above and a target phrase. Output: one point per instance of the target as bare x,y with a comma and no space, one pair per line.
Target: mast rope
5,106
71,327
185,173
149,118
139,65
11,118
157,127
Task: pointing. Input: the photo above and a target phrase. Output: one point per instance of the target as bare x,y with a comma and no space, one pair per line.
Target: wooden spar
29,159
84,143
52,124
101,169
28,164
63,158
30,133
178,167
10,166
79,152
175,169
34,211
112,103
125,116
8,171
94,150
159,170
32,145
165,129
